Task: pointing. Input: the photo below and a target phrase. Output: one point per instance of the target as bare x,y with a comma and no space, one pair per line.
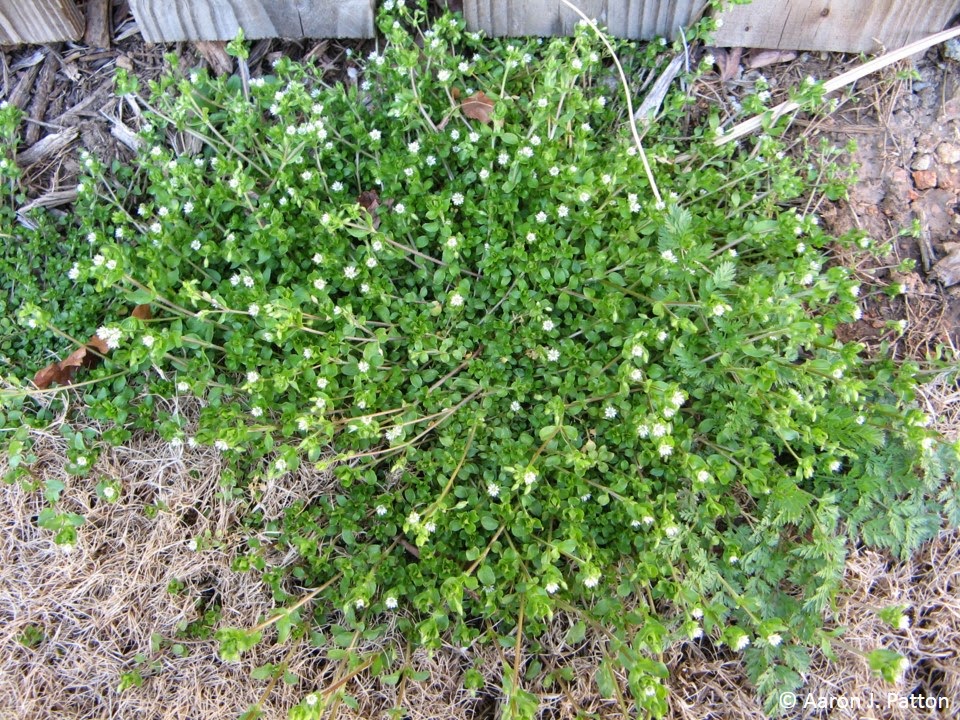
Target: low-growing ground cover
546,367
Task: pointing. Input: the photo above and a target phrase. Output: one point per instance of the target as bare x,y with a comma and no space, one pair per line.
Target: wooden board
174,20
636,19
39,21
835,25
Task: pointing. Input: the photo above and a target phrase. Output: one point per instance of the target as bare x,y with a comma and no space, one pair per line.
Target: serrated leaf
724,275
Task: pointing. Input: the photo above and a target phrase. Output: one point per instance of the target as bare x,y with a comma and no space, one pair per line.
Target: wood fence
839,25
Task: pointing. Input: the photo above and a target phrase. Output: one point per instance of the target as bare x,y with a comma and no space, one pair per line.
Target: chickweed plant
541,382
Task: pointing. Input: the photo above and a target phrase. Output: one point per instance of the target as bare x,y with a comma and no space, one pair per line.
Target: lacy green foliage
537,387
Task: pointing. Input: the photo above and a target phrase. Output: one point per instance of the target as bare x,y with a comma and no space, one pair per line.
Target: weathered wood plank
833,25
165,21
39,21
637,19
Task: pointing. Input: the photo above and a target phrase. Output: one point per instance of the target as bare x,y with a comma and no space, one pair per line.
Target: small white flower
503,158
188,207
697,613
280,465
860,420
643,430
474,137
636,375
662,336
742,642
592,581
551,588
719,309
659,430
399,208
697,633
493,490
221,445
363,366
927,443
253,309
609,412
541,217
148,340
548,325
413,518
668,256
903,623
526,151
734,559
350,272
375,135
81,461
484,174
665,450
310,699
371,263
457,199
529,478
430,527
577,64
192,545
774,639
414,147
553,354
515,406
563,211
451,242
671,531
703,476
391,603
456,300
248,281
554,171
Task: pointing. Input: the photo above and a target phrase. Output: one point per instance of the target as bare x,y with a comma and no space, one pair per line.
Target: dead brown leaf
369,200
478,107
141,312
762,58
85,356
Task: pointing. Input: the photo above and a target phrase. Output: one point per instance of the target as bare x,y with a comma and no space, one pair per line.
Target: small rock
922,163
948,153
925,179
948,178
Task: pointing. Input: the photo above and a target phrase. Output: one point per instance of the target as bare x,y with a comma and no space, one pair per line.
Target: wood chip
34,58
654,99
48,146
215,53
54,198
947,271
41,96
21,93
97,33
124,134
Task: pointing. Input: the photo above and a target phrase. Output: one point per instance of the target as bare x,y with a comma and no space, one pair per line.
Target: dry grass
99,605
